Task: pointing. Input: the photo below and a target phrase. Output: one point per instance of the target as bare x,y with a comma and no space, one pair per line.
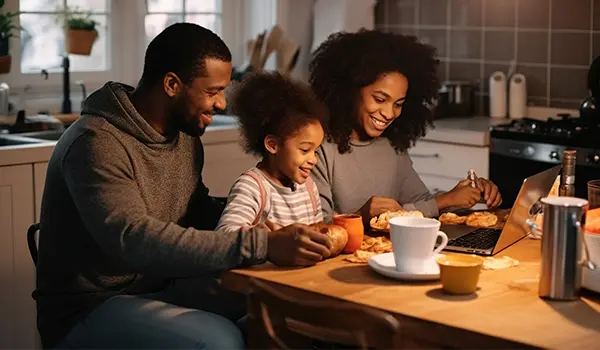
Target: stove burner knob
593,159
529,151
554,155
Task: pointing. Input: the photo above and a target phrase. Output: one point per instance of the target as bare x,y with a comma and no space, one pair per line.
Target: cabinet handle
416,155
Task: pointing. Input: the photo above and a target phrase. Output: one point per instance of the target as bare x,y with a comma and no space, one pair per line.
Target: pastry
491,263
451,218
370,246
481,219
360,256
337,234
382,221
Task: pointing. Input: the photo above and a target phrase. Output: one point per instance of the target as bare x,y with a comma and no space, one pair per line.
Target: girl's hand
298,245
377,205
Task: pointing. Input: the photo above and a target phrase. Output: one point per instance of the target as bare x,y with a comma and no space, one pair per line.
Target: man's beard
187,123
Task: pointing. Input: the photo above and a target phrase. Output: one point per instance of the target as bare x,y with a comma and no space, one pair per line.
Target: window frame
32,93
19,81
127,42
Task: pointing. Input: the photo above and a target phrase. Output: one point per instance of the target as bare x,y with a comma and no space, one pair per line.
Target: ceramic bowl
460,273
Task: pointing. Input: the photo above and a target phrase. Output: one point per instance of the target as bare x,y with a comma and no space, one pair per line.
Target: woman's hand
461,196
491,195
465,196
377,205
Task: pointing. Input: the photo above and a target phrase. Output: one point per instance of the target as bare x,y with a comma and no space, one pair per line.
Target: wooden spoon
258,44
272,44
288,54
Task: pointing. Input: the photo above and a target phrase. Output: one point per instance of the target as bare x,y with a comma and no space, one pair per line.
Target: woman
377,87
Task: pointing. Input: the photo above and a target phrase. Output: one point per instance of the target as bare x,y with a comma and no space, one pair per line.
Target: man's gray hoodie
124,211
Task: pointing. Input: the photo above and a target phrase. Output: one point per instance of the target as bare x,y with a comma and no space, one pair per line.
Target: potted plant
7,30
80,31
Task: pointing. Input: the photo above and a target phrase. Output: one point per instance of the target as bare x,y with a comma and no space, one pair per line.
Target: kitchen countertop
64,118
223,130
472,131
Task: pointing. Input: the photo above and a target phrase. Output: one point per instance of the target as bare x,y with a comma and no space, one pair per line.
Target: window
163,13
43,38
126,27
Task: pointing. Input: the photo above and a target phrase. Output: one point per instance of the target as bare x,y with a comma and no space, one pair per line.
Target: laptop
490,241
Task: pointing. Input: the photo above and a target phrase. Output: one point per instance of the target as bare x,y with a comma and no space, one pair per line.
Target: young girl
281,122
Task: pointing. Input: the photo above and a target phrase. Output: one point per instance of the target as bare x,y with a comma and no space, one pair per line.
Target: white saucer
385,265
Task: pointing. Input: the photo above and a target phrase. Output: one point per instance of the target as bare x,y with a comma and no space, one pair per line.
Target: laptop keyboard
483,238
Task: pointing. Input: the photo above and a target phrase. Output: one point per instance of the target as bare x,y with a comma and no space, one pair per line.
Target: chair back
288,322
32,241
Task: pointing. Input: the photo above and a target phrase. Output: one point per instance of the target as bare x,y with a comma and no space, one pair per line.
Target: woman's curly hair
273,104
347,62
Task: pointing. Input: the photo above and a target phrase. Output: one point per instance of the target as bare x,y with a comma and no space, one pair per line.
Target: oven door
511,162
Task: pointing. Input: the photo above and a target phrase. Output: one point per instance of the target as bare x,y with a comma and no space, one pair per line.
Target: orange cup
356,231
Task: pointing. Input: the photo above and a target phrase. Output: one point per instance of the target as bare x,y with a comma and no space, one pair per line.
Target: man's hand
268,226
297,245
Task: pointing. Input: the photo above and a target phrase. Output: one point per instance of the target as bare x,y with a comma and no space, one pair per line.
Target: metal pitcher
562,247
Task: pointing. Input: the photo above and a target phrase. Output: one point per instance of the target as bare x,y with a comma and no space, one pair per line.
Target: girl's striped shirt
283,205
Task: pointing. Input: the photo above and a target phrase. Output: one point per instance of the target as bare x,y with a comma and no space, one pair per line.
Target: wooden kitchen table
505,312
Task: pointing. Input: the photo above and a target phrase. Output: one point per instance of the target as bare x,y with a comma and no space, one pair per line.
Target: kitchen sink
223,120
17,141
33,137
46,135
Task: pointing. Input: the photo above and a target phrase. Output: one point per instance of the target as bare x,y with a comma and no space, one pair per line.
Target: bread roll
337,234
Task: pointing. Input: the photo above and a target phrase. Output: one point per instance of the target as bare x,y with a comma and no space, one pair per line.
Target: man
124,207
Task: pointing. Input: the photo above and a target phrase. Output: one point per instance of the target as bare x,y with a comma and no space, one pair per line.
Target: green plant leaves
7,28
75,18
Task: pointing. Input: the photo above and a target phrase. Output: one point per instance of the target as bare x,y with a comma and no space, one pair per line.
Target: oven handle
416,155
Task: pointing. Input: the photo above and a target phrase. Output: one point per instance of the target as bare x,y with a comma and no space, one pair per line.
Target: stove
524,147
563,129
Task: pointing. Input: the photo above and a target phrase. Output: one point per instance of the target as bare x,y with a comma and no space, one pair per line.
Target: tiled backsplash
551,41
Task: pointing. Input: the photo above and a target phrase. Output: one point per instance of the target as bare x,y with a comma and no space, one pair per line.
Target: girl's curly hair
273,104
347,62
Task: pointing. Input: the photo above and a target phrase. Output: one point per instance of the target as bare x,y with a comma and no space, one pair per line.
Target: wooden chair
32,241
285,322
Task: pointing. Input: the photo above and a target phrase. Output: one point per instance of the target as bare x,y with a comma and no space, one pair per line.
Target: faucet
66,102
83,92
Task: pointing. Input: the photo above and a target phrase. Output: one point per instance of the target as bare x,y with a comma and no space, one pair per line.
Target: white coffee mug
413,242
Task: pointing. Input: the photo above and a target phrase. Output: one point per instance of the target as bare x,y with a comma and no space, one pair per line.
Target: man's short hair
182,48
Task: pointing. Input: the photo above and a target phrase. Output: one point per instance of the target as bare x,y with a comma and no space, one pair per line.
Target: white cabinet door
17,272
448,160
223,164
39,179
436,184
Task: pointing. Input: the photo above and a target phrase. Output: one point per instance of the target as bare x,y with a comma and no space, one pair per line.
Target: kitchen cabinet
39,179
442,165
17,272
